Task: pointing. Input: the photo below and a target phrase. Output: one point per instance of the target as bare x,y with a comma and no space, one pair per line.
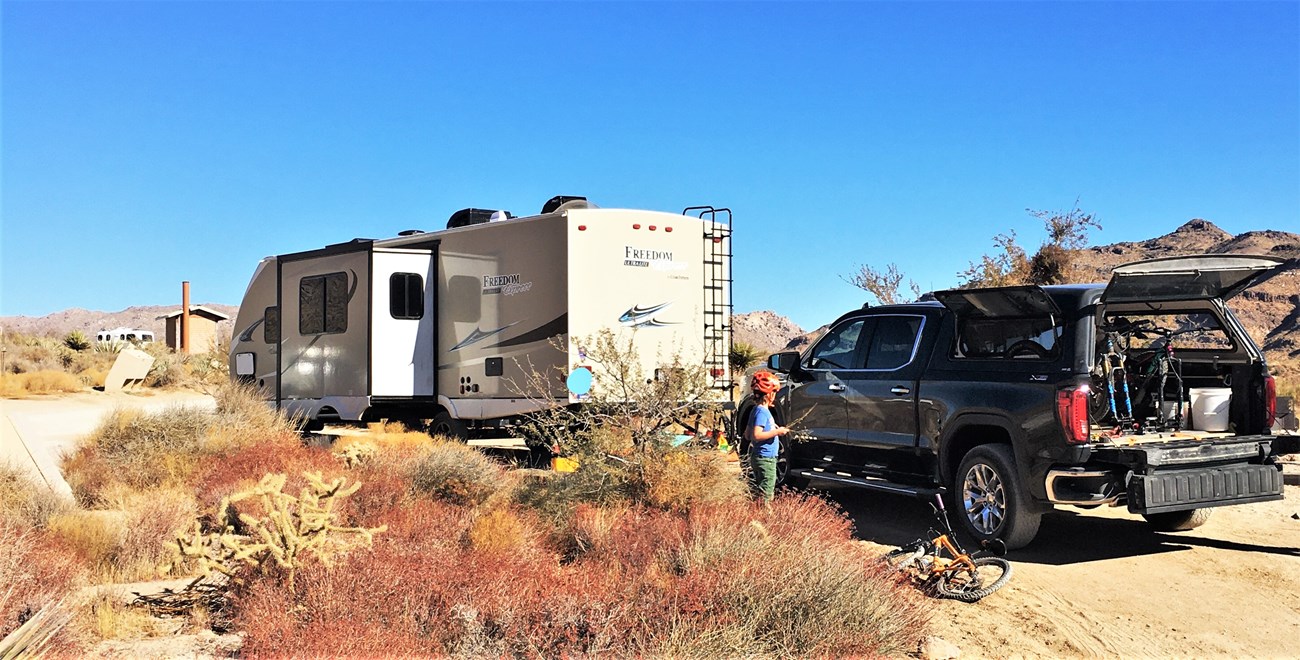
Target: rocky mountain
143,317
1270,310
764,330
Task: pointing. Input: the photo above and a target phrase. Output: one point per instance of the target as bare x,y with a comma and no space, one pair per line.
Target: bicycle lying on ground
941,568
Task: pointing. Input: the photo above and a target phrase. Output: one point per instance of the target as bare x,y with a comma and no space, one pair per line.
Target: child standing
762,433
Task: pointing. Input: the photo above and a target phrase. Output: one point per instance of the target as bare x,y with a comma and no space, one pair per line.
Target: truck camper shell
450,325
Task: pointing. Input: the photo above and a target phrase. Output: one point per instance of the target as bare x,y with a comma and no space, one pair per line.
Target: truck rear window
1185,330
1012,338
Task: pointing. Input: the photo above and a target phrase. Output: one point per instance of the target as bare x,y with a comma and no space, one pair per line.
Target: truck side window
836,349
271,325
323,304
894,342
1015,338
406,296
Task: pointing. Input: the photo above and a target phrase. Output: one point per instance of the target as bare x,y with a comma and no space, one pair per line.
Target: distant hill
1270,310
143,317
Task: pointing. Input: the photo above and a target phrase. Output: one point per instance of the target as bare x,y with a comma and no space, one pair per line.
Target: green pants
762,476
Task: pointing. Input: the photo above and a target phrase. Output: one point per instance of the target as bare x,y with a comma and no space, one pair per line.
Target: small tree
886,286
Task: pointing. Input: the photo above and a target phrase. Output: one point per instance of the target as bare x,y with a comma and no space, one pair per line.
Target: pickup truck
1018,399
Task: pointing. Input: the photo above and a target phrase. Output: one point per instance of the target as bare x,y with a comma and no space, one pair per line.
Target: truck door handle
900,390
835,387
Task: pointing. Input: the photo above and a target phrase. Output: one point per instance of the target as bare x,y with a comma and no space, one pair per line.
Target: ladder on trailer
717,294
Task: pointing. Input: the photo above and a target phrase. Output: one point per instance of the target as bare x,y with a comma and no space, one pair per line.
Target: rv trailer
447,325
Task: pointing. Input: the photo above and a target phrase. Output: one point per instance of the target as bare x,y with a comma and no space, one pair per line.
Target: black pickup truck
1016,399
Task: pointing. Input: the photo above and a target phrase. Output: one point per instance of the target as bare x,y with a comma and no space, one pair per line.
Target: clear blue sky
146,143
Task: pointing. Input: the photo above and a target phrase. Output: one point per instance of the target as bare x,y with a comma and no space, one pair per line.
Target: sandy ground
1095,583
35,432
1100,583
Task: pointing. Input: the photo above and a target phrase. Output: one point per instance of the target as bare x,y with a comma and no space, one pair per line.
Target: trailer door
402,322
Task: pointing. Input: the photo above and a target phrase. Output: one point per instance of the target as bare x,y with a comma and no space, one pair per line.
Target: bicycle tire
964,592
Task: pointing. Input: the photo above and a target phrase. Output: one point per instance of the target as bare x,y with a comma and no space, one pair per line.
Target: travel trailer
124,335
448,325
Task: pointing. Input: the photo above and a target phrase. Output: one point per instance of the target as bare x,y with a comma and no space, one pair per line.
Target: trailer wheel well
967,438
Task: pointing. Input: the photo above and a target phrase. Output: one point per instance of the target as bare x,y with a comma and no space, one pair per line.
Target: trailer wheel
1177,521
445,425
991,501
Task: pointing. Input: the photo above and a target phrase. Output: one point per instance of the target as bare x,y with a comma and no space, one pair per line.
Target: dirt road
1100,583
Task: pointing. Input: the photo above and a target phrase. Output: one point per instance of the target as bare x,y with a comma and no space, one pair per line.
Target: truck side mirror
783,362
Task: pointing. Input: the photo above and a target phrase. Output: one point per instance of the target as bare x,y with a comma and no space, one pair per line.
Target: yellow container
562,464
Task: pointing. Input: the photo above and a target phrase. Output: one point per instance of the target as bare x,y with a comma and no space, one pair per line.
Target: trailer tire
995,505
445,425
1177,521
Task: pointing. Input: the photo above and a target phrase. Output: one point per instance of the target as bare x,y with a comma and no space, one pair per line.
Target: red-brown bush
721,580
245,466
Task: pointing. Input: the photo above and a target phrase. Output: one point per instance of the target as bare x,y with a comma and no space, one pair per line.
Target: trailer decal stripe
557,326
479,335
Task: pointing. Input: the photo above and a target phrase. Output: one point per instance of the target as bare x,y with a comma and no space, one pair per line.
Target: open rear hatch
1198,277
1007,302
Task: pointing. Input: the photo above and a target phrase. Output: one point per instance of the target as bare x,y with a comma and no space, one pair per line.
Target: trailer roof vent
410,232
467,217
566,202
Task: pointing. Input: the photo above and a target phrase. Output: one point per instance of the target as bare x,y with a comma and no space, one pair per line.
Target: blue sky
147,143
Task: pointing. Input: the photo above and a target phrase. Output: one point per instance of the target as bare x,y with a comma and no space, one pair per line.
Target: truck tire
449,427
990,500
1177,521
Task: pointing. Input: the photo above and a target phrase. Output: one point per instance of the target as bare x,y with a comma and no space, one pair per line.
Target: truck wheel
1177,521
991,501
445,425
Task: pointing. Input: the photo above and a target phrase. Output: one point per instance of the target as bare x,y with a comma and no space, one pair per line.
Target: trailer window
323,304
271,325
406,296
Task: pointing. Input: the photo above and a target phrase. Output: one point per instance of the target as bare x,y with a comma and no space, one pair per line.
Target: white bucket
1210,408
1169,408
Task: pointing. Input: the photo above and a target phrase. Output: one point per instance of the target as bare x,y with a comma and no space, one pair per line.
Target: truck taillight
1270,402
1072,411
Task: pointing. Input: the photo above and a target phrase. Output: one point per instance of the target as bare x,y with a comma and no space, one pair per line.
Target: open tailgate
1189,474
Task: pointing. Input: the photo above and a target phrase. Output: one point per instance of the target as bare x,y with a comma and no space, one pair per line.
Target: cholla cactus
287,529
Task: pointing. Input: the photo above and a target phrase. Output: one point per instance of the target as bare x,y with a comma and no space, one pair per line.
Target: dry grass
176,447
24,501
47,381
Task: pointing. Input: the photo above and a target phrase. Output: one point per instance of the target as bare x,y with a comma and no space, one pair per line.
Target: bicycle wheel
990,574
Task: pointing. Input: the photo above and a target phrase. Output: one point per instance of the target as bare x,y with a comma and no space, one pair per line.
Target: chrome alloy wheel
984,498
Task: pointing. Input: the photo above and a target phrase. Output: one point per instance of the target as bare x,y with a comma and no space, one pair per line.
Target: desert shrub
730,581
181,446
35,572
45,381
168,371
25,502
743,356
678,479
500,530
151,522
139,449
244,467
94,536
76,340
457,473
